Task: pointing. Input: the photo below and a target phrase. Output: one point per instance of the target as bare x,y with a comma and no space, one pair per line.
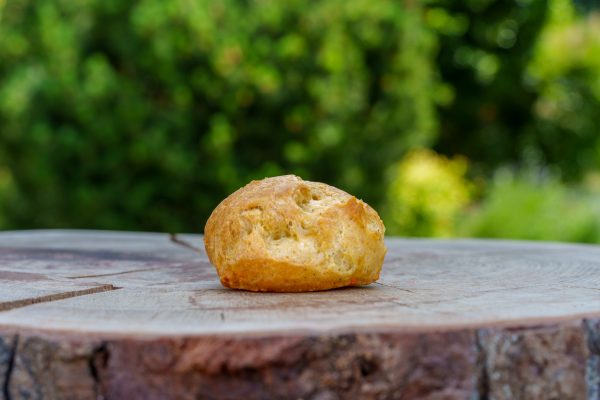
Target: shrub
566,73
143,115
485,50
521,83
536,206
427,194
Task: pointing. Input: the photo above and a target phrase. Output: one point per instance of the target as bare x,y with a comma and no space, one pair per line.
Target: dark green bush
566,74
521,82
485,50
144,115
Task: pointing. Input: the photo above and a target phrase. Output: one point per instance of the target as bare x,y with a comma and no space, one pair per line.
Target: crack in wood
113,273
592,371
395,287
483,379
475,294
174,239
10,351
97,361
9,305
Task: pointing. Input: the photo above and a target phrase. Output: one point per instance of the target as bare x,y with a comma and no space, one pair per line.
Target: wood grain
450,319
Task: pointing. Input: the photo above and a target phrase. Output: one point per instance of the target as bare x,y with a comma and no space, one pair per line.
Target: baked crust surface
284,234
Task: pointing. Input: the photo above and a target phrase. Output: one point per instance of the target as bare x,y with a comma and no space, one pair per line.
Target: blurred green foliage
565,71
522,83
144,115
427,194
533,205
432,195
485,48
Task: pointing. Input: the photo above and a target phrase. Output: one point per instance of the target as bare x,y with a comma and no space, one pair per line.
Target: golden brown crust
283,234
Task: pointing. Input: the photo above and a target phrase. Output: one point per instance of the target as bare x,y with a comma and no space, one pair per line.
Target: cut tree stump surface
87,314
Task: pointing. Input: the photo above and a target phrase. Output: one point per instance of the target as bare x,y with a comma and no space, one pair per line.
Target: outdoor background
451,118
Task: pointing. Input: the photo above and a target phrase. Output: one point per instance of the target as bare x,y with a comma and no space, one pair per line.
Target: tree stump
107,315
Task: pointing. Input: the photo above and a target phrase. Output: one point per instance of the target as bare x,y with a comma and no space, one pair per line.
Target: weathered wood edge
392,328
546,361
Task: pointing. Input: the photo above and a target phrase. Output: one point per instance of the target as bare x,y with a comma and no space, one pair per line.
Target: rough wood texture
119,315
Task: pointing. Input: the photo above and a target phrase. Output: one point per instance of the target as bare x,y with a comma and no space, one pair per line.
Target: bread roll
283,234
